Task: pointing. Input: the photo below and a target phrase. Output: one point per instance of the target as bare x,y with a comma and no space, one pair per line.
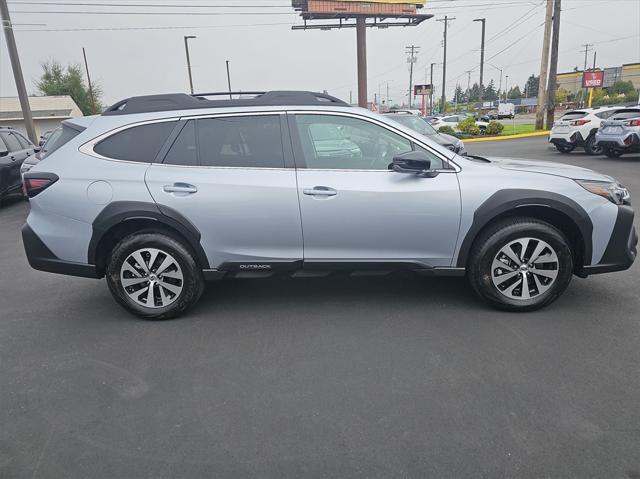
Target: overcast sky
139,52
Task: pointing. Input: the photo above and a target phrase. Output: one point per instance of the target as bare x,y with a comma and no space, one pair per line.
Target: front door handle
180,188
320,191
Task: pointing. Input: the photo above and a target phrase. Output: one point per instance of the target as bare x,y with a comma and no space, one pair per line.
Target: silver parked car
160,193
621,133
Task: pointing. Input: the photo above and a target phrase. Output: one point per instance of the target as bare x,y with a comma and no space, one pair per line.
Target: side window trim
448,165
171,139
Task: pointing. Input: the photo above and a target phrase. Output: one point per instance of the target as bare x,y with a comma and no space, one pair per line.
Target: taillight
34,183
632,122
579,122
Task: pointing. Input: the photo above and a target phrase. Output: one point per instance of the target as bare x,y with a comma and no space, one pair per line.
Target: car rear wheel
612,152
564,148
154,276
520,264
591,147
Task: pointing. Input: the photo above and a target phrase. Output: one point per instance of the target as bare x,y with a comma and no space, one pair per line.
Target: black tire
612,152
500,234
564,148
192,282
590,146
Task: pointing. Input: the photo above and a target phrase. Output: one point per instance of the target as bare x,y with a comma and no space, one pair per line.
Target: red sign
592,79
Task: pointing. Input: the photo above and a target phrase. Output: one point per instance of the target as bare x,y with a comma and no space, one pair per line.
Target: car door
354,209
16,156
233,177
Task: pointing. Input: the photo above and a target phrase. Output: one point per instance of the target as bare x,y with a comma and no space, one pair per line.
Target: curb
508,137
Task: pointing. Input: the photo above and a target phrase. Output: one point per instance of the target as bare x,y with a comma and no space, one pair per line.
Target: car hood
550,168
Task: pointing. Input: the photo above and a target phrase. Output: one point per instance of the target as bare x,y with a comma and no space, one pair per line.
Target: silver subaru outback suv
161,193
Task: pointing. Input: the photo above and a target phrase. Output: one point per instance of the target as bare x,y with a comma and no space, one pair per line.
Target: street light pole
483,20
229,80
186,48
431,93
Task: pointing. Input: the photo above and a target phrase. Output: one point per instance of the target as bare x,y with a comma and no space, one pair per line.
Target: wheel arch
120,219
561,212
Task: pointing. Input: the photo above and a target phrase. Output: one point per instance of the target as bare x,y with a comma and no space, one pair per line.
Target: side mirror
37,149
414,163
4,153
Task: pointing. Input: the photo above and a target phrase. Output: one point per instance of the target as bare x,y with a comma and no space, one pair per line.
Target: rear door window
12,142
23,141
242,141
139,143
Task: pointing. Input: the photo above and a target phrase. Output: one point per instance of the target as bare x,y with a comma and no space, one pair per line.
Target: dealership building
572,81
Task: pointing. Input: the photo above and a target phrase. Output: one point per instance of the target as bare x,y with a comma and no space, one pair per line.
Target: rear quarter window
139,143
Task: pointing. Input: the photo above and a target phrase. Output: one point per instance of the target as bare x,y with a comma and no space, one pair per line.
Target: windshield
415,123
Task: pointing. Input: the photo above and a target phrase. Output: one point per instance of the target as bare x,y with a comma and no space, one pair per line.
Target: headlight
611,190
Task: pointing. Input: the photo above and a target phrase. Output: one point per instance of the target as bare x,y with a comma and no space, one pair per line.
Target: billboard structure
592,79
333,14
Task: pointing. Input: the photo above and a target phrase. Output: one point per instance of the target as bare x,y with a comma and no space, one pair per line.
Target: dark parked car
14,149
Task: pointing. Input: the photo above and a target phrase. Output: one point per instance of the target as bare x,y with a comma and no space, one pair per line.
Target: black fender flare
509,200
120,211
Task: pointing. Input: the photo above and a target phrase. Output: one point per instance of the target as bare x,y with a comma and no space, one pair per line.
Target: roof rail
182,101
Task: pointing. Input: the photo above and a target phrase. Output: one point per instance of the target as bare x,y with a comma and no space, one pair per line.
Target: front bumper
622,249
42,258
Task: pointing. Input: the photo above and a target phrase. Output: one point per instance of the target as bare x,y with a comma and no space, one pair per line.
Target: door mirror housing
414,163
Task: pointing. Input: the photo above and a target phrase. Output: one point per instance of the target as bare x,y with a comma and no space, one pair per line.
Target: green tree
474,93
57,80
562,96
621,87
458,96
490,93
531,87
514,92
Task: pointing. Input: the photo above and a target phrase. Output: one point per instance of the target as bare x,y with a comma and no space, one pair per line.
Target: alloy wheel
525,268
151,278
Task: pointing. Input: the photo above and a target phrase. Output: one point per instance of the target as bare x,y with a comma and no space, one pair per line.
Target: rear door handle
181,188
320,191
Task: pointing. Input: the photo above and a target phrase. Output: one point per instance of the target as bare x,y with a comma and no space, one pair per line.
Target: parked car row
453,121
14,150
612,131
422,126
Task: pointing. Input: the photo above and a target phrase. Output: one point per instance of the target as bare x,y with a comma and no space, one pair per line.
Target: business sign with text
592,79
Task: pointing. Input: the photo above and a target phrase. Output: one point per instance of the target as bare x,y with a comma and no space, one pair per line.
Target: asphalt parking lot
392,377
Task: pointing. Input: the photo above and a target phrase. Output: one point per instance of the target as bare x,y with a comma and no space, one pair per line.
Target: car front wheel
591,148
154,276
520,264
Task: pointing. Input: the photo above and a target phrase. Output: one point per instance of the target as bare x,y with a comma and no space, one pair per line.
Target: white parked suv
453,120
578,128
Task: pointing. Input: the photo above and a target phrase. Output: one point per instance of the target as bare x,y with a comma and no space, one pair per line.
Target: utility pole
17,71
186,48
388,101
446,21
587,49
412,51
91,95
553,67
544,67
431,93
229,81
483,20
361,38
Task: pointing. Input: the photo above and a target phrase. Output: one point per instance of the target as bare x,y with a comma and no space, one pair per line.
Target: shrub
494,128
447,130
468,125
